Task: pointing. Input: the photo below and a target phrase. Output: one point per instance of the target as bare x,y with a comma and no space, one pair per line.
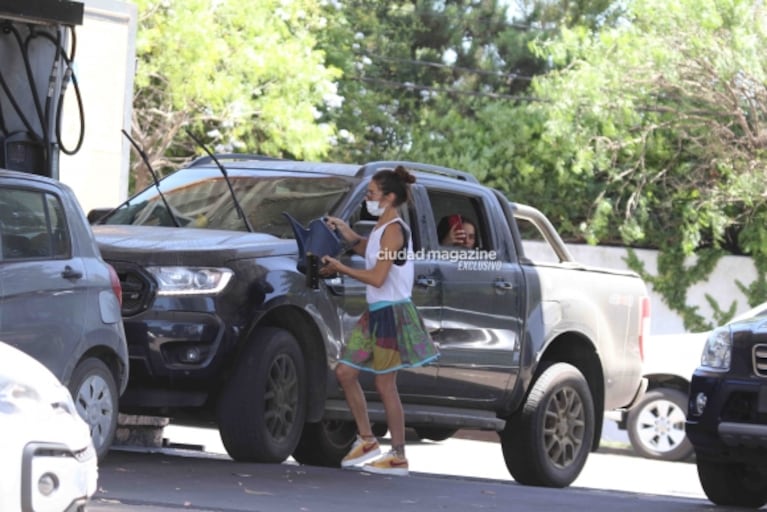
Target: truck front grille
760,360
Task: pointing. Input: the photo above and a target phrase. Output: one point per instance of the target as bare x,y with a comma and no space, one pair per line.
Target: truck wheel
435,433
325,443
262,407
94,392
656,425
547,442
738,485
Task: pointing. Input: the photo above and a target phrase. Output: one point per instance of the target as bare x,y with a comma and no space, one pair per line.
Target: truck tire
656,425
733,484
94,392
262,408
435,433
546,443
325,443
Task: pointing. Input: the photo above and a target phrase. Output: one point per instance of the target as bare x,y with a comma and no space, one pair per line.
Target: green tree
243,75
406,55
656,130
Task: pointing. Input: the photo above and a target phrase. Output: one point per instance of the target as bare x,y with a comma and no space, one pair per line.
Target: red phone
455,220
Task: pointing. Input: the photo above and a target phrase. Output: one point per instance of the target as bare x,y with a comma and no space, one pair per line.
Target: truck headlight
717,352
190,280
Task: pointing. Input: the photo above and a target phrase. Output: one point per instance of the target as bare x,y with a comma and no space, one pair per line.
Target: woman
390,335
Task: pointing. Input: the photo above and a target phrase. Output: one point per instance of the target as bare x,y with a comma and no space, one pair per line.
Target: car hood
163,245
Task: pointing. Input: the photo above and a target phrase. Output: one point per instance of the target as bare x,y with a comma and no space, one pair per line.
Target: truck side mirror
363,227
97,214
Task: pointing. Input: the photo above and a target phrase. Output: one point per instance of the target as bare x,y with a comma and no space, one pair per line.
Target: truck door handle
426,282
502,284
70,273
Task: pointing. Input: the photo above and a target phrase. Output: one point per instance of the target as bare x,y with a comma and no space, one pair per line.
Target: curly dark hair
395,181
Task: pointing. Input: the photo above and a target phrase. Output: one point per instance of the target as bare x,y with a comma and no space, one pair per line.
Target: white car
47,458
656,423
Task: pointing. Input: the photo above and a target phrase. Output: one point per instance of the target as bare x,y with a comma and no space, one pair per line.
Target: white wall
104,65
721,284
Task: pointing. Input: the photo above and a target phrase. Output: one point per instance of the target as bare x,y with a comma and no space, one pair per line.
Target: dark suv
727,417
59,300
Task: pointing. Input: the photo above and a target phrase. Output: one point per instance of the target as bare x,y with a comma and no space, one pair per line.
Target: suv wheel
325,443
94,392
548,441
656,425
733,484
262,408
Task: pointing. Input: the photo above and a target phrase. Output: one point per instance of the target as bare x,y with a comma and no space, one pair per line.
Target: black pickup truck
223,327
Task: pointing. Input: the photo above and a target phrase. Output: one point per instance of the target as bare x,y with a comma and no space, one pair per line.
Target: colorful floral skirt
389,338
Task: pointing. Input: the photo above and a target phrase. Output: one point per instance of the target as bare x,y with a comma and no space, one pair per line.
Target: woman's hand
457,235
352,238
330,266
335,223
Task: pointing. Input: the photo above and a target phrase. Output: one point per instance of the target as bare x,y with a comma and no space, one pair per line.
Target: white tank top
399,283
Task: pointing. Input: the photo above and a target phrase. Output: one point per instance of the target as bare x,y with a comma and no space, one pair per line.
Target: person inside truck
456,230
390,335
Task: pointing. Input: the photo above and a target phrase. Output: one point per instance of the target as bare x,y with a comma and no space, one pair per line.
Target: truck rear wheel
547,442
733,484
325,443
262,408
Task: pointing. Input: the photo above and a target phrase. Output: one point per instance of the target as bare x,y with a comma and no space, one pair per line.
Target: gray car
59,300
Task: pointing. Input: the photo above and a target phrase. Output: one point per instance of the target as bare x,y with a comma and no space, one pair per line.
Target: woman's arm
392,241
358,243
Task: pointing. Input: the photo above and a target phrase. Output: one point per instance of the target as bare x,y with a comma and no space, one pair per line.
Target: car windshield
200,198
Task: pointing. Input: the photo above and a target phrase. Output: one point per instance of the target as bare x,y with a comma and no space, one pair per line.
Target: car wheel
547,442
656,425
94,392
262,408
325,443
730,484
435,433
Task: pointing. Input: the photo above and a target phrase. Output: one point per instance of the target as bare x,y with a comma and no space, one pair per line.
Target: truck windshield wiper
154,177
237,207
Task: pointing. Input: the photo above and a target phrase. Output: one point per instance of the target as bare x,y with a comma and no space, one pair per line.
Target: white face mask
374,208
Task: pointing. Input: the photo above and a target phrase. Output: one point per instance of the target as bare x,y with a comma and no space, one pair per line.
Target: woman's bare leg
386,384
348,377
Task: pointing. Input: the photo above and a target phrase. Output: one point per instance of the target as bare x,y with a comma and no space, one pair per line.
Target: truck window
447,204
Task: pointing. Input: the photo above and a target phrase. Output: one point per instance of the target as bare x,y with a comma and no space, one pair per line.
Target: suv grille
760,360
138,288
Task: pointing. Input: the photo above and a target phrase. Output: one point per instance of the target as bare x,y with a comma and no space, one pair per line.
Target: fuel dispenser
37,52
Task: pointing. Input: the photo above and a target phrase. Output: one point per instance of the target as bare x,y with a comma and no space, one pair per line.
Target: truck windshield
200,198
